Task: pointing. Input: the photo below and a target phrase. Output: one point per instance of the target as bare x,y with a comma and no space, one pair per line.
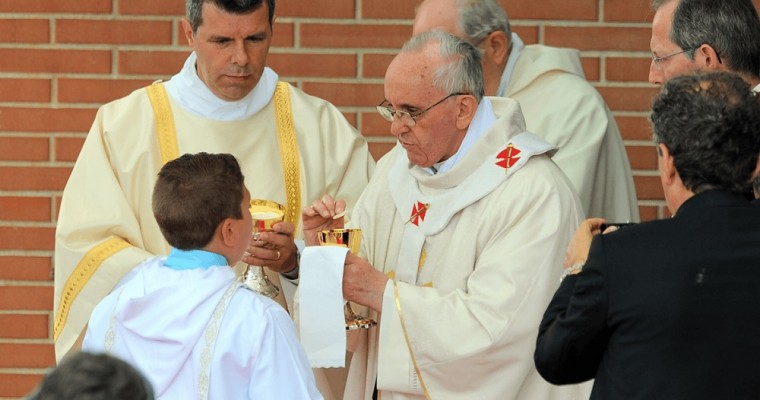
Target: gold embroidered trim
291,166
210,335
167,136
408,341
81,274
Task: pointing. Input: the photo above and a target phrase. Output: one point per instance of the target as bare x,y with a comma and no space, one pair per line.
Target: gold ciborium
264,213
351,238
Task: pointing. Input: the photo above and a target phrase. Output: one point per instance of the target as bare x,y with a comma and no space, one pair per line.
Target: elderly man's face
409,87
661,46
231,48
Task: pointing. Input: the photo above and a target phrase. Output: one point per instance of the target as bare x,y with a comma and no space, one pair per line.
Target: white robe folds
108,196
562,108
474,255
162,321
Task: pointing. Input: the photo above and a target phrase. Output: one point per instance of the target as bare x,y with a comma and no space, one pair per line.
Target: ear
496,46
467,105
668,172
708,58
227,232
187,29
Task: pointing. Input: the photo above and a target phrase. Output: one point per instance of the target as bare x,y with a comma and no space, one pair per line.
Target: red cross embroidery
418,213
508,157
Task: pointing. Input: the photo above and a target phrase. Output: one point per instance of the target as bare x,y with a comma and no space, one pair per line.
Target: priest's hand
325,213
362,283
276,250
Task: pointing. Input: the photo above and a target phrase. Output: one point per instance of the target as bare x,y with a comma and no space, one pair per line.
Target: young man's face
231,48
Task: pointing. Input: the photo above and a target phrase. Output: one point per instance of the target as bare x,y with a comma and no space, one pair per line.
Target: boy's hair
194,194
93,376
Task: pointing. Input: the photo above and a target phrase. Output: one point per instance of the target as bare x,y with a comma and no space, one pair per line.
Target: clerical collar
192,259
187,89
514,54
483,119
756,89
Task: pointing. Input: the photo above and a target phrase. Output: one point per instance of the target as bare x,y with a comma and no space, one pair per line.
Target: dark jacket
667,309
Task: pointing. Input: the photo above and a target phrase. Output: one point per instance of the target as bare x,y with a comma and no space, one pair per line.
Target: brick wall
59,60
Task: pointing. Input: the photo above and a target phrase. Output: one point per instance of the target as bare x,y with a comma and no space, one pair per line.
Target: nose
398,127
239,54
655,74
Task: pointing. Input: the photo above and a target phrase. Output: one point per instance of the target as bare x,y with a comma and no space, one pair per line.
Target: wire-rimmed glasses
408,118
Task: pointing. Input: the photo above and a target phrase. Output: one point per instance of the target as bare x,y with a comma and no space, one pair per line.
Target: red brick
152,7
153,63
378,150
68,148
628,98
283,34
18,385
47,6
26,298
346,94
313,65
375,65
24,30
18,208
373,125
113,31
25,268
591,68
46,119
388,9
634,128
97,90
24,149
648,188
354,35
649,213
642,157
15,326
25,90
627,11
26,355
350,117
33,178
528,34
317,9
598,38
585,10
628,69
55,61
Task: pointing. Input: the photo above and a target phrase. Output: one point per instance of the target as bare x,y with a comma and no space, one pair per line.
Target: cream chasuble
475,254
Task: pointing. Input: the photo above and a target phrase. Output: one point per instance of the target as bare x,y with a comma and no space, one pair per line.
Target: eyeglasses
408,118
658,60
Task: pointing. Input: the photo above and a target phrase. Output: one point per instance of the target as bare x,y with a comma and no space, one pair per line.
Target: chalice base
360,323
255,278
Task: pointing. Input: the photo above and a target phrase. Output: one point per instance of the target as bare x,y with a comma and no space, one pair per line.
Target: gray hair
478,18
194,8
464,74
731,27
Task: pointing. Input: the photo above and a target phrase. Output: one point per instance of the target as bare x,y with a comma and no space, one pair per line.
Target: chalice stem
255,278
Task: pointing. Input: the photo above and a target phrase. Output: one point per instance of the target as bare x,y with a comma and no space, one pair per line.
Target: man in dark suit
668,309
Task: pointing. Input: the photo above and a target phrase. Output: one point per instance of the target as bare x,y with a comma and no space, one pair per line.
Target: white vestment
106,224
474,255
169,325
562,108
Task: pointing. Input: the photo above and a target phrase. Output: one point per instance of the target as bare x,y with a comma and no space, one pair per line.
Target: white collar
483,119
187,89
756,89
514,54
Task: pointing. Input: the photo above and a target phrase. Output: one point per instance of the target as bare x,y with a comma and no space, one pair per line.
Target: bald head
438,14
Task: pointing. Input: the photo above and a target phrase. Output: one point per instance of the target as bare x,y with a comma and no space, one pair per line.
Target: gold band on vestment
408,340
167,133
291,165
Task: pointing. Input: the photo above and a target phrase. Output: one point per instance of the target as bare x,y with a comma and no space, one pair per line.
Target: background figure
558,103
464,226
224,100
184,320
705,35
666,309
93,376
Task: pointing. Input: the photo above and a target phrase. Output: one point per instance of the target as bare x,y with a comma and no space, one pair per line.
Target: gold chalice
264,213
351,238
